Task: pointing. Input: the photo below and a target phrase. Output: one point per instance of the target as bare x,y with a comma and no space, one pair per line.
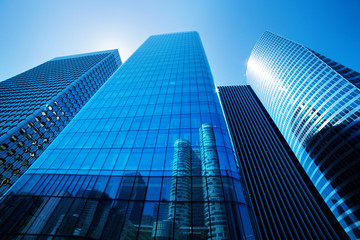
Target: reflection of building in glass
18,208
128,143
164,230
280,190
133,187
198,214
85,217
215,212
181,184
47,206
184,189
37,104
308,96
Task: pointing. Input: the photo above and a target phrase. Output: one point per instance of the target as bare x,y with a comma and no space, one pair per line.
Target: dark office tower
285,202
315,103
37,104
135,150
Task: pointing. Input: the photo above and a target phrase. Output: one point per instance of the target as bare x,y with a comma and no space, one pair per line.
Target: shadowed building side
285,202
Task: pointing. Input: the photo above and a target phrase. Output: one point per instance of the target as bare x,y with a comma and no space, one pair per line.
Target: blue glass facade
148,157
285,202
347,73
316,107
37,104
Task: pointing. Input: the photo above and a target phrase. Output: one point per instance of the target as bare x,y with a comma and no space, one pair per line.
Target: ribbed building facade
37,104
285,202
316,107
148,157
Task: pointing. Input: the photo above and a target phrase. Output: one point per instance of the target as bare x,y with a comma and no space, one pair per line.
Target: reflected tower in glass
148,157
37,104
315,103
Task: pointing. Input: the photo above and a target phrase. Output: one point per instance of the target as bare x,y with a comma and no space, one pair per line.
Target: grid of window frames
285,202
316,106
148,157
37,104
351,75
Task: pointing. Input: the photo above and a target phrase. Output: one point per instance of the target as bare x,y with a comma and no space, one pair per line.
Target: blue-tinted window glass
159,158
134,159
81,142
176,109
154,189
91,140
162,138
151,139
70,158
130,139
111,159
78,185
135,125
113,186
185,121
126,125
126,187
155,122
90,159
110,139
165,122
100,159
118,124
140,139
145,124
195,121
122,159
205,118
119,141
175,122
58,164
146,159
73,141
165,189
100,140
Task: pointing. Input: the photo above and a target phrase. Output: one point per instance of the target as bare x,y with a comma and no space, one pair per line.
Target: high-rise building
315,103
345,72
285,202
148,157
37,104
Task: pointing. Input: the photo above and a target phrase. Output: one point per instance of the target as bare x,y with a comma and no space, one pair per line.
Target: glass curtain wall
149,157
36,105
315,103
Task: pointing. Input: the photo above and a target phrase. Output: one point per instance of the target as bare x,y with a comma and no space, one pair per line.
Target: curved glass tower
148,157
317,110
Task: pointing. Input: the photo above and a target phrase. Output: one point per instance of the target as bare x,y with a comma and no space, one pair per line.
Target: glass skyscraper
37,104
148,157
315,102
285,202
347,73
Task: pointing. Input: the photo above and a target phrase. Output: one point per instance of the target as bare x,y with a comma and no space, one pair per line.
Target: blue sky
32,32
